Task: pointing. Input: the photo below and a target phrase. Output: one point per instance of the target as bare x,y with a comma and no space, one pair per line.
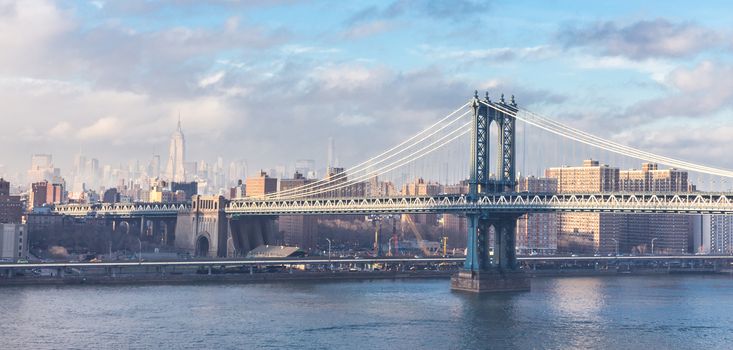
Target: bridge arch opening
125,227
202,246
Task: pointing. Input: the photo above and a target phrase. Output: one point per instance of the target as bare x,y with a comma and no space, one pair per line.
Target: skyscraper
331,161
42,168
154,167
175,171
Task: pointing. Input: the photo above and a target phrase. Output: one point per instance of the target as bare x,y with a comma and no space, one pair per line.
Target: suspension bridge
486,190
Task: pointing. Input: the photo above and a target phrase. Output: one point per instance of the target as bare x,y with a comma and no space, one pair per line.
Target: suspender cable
428,149
589,139
376,159
618,148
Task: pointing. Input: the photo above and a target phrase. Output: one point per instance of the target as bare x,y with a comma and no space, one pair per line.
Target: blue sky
269,81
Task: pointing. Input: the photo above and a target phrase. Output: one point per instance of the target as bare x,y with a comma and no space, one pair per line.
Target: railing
690,203
123,209
687,203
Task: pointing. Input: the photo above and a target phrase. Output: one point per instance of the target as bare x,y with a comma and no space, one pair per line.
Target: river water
629,312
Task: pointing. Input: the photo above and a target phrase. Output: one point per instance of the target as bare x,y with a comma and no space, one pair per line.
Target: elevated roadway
323,261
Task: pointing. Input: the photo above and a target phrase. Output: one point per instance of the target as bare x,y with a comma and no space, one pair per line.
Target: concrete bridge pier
203,231
250,232
143,227
485,273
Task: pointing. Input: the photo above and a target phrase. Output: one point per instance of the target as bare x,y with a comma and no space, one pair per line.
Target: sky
270,81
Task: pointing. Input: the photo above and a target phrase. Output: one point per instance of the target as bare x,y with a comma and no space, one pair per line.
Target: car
21,261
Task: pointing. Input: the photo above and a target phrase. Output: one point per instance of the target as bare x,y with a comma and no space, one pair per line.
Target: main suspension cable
376,159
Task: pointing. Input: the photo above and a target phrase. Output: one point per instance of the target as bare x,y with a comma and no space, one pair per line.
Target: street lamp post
140,254
653,239
615,240
329,254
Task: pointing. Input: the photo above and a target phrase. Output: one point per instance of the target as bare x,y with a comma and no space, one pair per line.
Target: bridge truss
123,209
640,203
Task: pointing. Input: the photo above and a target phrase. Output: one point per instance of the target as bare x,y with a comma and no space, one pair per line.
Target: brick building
11,207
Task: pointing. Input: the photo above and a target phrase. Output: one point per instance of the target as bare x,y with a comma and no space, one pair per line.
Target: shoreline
284,277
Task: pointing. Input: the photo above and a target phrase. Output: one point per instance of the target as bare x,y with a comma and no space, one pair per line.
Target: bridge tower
482,271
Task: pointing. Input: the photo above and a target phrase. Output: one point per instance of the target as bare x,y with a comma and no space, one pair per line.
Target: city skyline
251,85
380,173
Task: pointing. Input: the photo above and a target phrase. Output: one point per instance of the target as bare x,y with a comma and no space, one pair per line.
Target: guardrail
297,261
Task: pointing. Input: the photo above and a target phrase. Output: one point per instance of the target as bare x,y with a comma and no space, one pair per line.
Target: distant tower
154,167
174,171
331,154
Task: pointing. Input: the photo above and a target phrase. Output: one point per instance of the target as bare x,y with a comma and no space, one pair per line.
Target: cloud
347,76
113,125
244,90
657,69
62,129
695,142
496,54
27,30
147,7
373,19
106,127
435,9
453,10
352,120
211,79
295,49
703,89
690,121
642,39
165,60
362,30
364,106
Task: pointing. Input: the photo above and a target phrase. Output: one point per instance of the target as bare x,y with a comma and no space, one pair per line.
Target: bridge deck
323,260
687,203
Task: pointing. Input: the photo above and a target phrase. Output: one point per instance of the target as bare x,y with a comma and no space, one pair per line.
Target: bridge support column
142,226
471,263
481,274
150,229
